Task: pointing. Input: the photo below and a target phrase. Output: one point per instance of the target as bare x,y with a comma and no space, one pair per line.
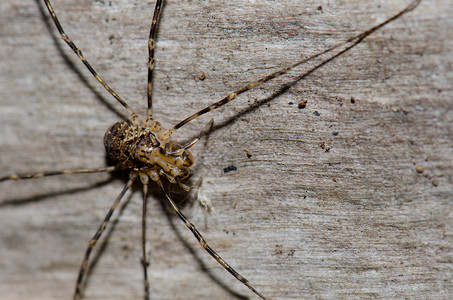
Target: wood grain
350,197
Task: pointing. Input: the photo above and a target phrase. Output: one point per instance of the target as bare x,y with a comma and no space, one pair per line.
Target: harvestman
145,148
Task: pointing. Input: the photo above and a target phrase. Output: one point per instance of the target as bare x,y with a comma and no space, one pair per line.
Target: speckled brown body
147,151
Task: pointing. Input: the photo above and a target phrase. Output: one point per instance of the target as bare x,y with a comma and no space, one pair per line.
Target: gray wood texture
340,200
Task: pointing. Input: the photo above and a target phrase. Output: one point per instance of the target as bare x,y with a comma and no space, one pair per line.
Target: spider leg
53,173
205,245
97,235
79,54
151,61
195,140
145,262
352,42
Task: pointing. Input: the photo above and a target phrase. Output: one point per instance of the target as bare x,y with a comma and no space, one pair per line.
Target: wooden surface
342,199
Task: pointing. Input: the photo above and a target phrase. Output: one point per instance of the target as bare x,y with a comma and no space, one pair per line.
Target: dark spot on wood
323,146
316,113
229,169
302,104
201,77
278,250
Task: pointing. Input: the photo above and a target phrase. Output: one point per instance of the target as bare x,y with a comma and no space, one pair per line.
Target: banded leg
144,259
95,238
205,245
352,42
79,54
53,173
194,141
151,47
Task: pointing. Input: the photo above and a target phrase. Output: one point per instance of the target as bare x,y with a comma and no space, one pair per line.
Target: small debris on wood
248,152
316,113
400,110
201,77
235,203
228,232
302,104
229,169
323,146
278,249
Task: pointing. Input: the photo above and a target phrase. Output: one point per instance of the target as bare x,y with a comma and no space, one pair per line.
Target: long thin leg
144,259
95,238
79,54
205,245
53,173
353,41
151,47
194,141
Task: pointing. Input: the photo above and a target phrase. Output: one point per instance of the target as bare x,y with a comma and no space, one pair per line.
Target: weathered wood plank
338,200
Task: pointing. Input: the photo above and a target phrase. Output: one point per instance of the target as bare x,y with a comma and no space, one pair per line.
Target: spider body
148,151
